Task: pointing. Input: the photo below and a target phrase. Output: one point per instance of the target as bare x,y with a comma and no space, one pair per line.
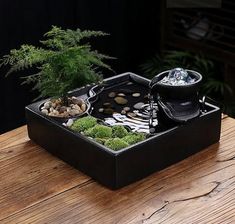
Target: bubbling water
177,77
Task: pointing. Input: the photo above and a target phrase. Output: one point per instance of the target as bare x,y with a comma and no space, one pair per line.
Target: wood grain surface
36,187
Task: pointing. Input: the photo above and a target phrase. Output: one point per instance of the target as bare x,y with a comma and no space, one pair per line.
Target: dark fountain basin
116,169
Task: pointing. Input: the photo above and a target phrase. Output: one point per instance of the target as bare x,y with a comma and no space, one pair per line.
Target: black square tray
117,169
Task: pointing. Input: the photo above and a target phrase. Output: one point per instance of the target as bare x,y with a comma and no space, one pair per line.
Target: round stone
77,101
44,111
47,105
55,112
112,94
138,105
126,109
83,107
101,110
76,107
108,111
74,112
121,94
136,94
53,105
120,100
123,112
106,105
62,109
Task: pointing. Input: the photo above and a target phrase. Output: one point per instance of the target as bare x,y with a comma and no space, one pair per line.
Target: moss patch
119,131
99,131
115,138
116,144
84,123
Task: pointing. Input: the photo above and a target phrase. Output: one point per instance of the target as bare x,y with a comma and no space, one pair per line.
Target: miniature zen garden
120,117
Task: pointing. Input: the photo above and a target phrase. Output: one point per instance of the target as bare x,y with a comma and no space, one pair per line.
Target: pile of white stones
55,107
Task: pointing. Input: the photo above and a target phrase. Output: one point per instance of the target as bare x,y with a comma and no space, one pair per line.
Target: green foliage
116,144
133,138
64,62
119,131
99,131
84,123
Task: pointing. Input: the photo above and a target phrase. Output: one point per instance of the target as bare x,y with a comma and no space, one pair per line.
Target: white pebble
69,122
44,111
47,105
136,94
83,107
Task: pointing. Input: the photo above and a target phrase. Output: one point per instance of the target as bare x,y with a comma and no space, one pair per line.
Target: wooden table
36,187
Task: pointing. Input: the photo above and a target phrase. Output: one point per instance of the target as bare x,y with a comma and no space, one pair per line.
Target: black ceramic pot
179,103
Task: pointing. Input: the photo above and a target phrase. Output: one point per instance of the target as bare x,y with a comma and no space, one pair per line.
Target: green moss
101,140
115,138
99,131
116,144
84,123
133,138
119,131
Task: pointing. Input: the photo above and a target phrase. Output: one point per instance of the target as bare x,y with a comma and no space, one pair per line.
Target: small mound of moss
116,144
84,123
133,138
119,131
101,140
99,131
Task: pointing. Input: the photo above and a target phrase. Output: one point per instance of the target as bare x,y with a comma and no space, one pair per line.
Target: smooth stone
55,112
126,109
69,122
120,100
101,110
112,94
47,105
138,105
74,112
107,105
53,105
76,107
136,94
62,109
129,83
108,111
83,107
65,114
123,112
77,101
44,111
121,94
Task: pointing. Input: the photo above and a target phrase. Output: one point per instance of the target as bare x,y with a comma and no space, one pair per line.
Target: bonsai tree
64,61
